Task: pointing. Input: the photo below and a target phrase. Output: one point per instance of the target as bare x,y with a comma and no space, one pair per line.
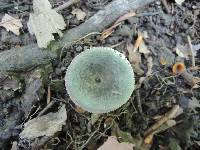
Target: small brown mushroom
180,69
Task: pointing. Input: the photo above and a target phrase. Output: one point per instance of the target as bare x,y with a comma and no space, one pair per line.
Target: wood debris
11,24
110,30
149,134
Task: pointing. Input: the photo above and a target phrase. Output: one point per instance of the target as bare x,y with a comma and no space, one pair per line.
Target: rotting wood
29,56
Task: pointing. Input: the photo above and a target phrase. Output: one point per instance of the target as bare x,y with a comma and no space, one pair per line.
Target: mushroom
100,80
180,69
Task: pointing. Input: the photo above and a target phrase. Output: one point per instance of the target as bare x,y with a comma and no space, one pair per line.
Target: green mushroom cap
100,80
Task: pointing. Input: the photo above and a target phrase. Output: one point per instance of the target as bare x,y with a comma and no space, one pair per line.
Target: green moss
100,80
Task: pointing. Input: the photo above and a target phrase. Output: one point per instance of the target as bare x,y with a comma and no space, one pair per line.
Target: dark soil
24,95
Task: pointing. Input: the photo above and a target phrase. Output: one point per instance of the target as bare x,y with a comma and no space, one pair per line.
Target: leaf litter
112,143
46,125
80,15
152,91
11,24
44,22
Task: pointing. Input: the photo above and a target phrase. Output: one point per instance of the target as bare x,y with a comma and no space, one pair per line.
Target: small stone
79,48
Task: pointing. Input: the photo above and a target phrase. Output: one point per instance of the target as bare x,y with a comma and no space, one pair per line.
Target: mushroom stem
189,78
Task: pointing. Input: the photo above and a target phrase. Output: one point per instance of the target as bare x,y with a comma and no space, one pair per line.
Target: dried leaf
143,48
11,24
134,57
194,103
184,50
112,143
11,84
44,22
165,56
179,1
138,42
110,30
80,15
149,65
46,125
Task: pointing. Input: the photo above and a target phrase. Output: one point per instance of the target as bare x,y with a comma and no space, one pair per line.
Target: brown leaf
11,24
149,65
138,42
113,144
126,16
110,30
134,57
143,48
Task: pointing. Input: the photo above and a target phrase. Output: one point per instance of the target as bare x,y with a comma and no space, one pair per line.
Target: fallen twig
49,105
191,49
169,115
164,2
110,30
48,94
139,104
29,56
66,4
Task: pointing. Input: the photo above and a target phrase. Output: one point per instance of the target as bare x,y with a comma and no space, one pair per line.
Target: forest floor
163,97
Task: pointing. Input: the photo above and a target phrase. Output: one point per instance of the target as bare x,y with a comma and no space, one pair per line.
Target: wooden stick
191,49
165,118
29,56
66,4
164,2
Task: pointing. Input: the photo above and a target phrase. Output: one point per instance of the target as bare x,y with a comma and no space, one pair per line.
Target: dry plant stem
49,94
49,105
66,4
164,2
169,115
191,49
139,104
29,56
